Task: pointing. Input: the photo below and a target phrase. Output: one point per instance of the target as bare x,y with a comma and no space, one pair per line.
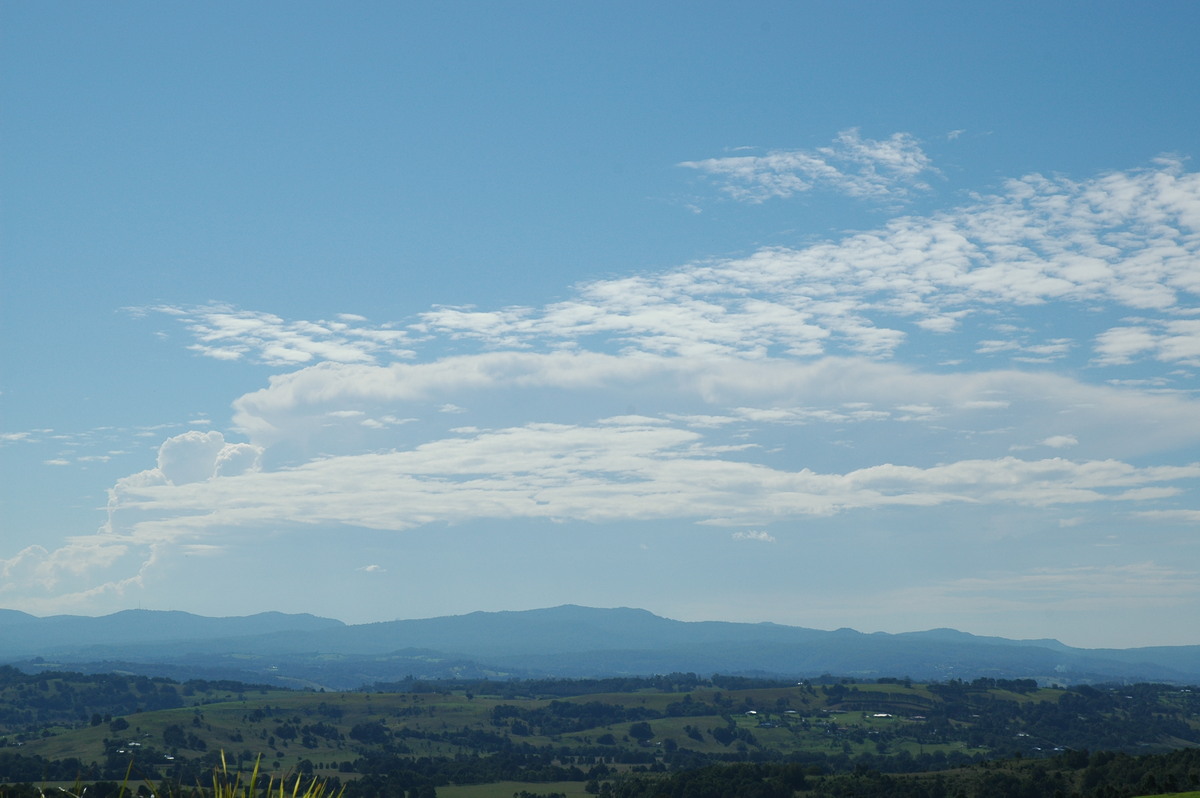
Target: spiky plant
227,785
224,785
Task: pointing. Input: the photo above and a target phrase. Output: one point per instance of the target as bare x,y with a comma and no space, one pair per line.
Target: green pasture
245,725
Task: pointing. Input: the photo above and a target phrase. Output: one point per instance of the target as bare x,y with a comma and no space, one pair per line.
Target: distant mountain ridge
20,632
569,641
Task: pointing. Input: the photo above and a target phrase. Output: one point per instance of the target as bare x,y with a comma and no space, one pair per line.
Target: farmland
457,738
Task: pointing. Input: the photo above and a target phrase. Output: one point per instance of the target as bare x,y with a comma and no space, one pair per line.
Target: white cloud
1166,340
237,458
1116,421
190,457
1125,239
852,165
765,387
945,323
758,535
202,550
630,469
610,471
227,333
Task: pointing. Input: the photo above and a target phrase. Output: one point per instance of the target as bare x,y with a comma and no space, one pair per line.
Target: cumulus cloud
116,558
1166,340
890,168
198,456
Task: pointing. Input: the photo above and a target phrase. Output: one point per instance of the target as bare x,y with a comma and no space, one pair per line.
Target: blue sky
830,314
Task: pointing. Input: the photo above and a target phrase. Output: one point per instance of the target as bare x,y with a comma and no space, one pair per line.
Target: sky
829,314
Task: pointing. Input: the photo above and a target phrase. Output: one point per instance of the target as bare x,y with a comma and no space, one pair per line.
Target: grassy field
246,725
506,789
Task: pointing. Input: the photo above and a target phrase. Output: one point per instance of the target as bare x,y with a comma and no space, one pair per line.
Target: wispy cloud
891,169
613,471
735,393
1089,587
228,333
1181,516
1125,239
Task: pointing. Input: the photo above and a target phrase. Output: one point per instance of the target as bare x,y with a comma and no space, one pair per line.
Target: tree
174,736
641,731
370,732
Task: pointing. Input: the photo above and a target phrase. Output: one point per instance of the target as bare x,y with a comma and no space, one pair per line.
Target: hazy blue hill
953,635
558,630
849,653
73,633
14,618
566,641
1182,658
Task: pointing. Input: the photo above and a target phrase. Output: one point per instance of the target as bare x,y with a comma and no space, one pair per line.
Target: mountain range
561,642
